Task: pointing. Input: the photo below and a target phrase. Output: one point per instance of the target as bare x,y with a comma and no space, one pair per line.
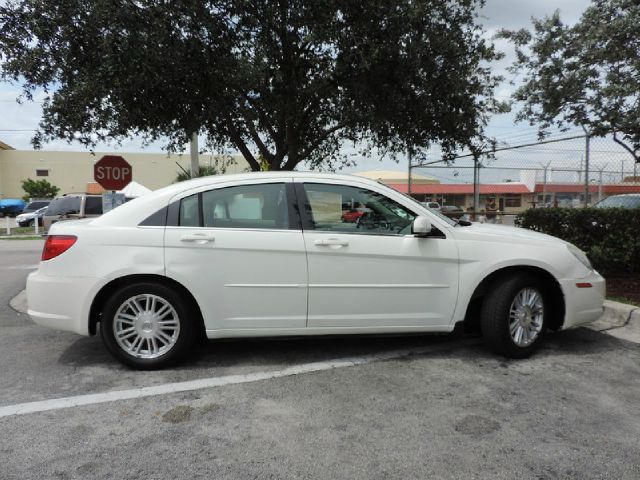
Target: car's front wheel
513,315
147,326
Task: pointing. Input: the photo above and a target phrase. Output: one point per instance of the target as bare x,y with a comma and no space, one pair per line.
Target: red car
352,216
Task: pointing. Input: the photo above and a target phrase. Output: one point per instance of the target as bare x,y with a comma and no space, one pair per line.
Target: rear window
33,206
64,206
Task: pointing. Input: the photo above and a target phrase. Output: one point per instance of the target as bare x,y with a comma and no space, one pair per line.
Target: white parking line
213,382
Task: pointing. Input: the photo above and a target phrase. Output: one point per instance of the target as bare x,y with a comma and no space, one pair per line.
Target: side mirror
421,226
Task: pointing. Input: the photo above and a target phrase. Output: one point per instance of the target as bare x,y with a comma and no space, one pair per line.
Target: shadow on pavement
270,353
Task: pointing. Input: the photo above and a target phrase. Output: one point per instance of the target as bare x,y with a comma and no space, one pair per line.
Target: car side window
93,206
189,215
342,208
259,206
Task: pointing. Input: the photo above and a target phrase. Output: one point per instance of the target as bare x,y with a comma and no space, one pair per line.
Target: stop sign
112,172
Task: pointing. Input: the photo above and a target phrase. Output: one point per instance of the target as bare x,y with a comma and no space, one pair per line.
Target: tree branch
633,152
258,141
242,146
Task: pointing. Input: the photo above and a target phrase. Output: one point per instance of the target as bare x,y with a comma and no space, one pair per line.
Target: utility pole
600,170
544,183
476,185
409,175
586,167
195,155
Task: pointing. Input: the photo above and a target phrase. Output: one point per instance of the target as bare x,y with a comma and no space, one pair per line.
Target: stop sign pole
112,172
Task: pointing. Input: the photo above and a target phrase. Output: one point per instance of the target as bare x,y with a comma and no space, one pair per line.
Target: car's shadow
273,353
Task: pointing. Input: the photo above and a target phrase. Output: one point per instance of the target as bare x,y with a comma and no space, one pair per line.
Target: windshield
64,206
620,201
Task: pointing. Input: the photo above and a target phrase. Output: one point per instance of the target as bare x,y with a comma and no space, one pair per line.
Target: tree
289,80
38,189
586,75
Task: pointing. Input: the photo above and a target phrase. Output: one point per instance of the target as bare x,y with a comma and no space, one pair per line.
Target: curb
619,320
19,302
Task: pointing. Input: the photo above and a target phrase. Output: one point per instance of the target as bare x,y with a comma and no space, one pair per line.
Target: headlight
580,255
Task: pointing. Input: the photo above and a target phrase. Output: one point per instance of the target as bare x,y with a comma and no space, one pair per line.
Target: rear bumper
583,305
61,303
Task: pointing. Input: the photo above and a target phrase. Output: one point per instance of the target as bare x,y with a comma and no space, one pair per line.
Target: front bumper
583,305
61,303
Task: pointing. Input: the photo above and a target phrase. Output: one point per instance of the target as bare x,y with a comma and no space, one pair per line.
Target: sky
17,121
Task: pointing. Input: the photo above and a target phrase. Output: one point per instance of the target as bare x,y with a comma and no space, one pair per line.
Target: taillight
56,245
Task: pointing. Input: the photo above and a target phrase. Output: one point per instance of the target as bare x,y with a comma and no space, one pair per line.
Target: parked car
34,205
10,207
72,206
629,200
269,254
352,215
29,219
432,205
452,211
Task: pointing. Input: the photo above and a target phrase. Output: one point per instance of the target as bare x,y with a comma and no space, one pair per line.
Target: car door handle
328,242
201,238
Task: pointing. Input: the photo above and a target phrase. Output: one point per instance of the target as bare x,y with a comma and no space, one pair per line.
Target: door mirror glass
421,226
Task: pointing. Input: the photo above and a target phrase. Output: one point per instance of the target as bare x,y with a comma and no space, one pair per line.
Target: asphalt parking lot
434,406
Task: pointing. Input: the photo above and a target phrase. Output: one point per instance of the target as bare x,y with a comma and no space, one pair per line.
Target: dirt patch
178,414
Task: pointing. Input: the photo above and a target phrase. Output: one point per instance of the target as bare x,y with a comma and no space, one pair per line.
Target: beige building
73,171
394,177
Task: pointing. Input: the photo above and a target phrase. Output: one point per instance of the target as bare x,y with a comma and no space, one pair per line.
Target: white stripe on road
213,382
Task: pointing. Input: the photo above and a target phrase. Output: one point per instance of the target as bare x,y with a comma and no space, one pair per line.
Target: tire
150,344
513,316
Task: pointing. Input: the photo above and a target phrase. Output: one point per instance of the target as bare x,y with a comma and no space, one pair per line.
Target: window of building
512,200
42,173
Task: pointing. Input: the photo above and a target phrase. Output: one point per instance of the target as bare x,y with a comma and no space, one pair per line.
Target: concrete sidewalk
620,320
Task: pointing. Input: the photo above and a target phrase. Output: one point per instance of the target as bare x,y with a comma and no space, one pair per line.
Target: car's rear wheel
147,326
513,315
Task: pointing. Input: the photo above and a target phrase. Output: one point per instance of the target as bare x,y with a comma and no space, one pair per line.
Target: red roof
579,188
517,188
461,188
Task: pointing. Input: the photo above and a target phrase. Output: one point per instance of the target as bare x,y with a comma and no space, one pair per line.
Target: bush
609,236
38,189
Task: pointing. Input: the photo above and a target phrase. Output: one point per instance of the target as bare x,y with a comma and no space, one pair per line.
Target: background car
452,211
630,200
72,206
432,205
29,219
10,207
34,205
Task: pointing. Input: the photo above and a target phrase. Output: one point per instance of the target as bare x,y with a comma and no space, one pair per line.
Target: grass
623,300
22,237
21,233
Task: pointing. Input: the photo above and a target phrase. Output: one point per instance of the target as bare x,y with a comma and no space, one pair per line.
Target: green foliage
609,236
291,79
586,75
204,171
38,189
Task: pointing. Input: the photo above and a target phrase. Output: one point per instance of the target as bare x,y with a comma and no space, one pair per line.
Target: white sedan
271,254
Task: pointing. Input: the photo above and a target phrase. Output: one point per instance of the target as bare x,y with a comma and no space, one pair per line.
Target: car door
371,272
239,250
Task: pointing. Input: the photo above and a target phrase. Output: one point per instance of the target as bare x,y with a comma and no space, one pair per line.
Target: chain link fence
569,172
